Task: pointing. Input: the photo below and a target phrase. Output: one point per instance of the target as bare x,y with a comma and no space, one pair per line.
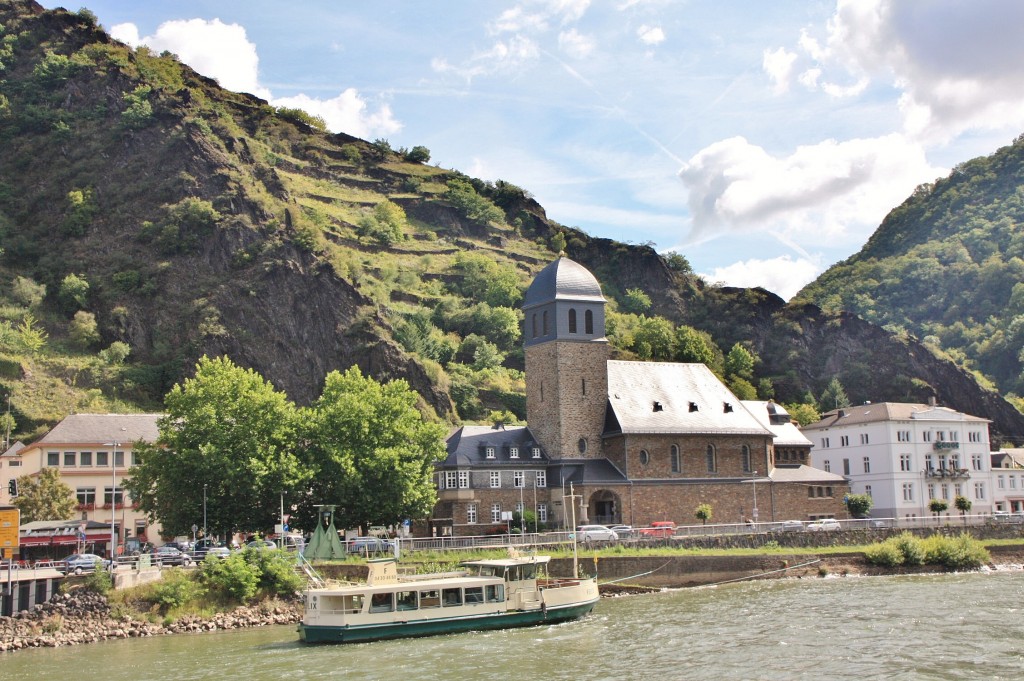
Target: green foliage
741,388
740,362
139,112
369,451
485,280
464,197
74,292
636,301
234,577
53,69
859,505
938,506
386,224
27,292
175,589
911,548
45,497
302,118
693,346
962,504
802,413
116,353
228,429
81,211
703,513
956,553
833,397
29,337
558,242
276,569
83,330
885,553
418,154
678,263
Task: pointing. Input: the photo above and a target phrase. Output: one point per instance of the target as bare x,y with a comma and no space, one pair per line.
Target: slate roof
799,473
563,279
101,428
890,411
669,397
584,472
776,419
466,446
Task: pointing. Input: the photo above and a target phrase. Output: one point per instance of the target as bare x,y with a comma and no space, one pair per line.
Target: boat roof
507,562
436,580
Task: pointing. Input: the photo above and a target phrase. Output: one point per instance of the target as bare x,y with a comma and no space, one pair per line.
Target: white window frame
495,480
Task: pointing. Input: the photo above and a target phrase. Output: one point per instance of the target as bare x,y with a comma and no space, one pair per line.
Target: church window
533,317
588,322
544,318
676,465
582,445
645,457
712,459
745,455
572,320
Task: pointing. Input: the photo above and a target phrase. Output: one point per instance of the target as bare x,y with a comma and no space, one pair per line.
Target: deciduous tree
45,498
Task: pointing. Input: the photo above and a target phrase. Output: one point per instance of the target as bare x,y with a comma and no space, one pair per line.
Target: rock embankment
86,617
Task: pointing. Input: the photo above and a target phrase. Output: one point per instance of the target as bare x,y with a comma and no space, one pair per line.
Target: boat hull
434,627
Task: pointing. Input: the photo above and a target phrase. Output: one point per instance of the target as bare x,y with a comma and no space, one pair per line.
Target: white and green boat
486,594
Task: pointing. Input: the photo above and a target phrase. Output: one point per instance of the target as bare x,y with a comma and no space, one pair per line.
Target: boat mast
572,533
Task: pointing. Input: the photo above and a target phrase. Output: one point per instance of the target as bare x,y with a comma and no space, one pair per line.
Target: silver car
595,533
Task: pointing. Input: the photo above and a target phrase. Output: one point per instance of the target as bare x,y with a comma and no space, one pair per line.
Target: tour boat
485,594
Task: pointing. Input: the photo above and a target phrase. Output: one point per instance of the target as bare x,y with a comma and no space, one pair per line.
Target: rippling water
923,627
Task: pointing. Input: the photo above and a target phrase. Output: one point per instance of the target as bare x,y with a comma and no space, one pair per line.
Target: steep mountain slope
948,266
187,220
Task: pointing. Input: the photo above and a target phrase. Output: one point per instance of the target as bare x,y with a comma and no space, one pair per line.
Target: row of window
588,323
472,516
111,495
491,452
944,490
461,480
1001,481
905,436
931,463
432,598
710,459
85,459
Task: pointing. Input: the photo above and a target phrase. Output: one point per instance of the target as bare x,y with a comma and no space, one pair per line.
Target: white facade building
905,455
1008,481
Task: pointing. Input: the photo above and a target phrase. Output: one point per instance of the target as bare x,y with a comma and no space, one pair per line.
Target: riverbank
83,616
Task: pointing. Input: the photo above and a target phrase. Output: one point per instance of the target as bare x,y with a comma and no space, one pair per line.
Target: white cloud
828,191
778,64
651,35
575,44
224,52
502,57
783,275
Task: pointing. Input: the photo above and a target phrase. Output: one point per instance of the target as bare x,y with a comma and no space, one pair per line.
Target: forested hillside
148,217
948,266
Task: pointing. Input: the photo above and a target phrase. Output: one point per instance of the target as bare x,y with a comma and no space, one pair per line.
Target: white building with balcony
905,455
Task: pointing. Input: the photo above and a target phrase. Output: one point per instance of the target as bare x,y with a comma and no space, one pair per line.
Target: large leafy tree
45,497
226,429
370,452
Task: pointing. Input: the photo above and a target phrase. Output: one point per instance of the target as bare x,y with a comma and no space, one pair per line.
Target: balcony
950,473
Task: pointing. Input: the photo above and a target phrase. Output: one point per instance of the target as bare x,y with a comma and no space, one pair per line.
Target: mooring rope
761,574
642,574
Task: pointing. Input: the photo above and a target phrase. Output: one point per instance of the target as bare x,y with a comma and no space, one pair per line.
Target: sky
764,141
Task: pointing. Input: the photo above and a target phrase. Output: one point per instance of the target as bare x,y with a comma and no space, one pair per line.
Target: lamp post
753,511
113,501
204,511
280,538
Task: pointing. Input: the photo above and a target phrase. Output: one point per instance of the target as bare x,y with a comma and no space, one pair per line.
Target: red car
660,528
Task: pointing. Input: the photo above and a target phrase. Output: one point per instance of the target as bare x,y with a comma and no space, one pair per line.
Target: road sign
10,520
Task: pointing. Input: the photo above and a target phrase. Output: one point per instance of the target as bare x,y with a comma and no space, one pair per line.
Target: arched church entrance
604,508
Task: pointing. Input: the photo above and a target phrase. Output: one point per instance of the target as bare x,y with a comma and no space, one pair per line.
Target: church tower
566,360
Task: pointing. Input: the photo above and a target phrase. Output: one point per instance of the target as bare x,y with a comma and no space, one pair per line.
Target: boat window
430,599
495,593
382,603
528,572
452,597
474,594
406,600
353,603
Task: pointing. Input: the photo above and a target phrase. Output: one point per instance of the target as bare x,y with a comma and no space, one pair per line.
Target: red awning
61,539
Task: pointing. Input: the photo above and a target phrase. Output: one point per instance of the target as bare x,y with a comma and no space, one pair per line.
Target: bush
885,553
277,571
233,577
959,553
176,588
911,548
99,581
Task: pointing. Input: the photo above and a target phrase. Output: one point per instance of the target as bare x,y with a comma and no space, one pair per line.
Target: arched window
676,463
645,458
745,458
572,320
545,322
712,459
588,322
534,318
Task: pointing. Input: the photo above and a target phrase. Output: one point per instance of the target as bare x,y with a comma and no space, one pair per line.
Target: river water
967,626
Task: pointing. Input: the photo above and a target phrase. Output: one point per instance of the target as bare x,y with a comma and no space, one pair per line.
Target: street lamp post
113,502
280,541
204,511
753,511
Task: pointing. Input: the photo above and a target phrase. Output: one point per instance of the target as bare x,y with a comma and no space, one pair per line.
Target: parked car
202,546
171,555
1004,517
595,533
80,563
261,544
368,545
218,552
792,526
136,547
659,528
880,523
824,525
624,531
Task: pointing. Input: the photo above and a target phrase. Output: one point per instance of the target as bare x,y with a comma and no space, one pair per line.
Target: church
623,442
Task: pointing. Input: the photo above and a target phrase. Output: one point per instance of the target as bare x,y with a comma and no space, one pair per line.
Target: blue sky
762,140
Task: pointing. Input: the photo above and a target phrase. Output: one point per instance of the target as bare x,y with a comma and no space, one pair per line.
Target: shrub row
955,553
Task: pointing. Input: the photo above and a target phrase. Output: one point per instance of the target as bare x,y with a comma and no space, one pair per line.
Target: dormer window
489,452
726,407
658,406
693,407
535,452
513,452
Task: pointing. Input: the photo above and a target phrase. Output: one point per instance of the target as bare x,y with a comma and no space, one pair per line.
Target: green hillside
948,266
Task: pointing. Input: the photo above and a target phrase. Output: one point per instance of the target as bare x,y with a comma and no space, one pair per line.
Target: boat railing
312,575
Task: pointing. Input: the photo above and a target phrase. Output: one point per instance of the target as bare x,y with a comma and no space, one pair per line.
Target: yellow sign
9,523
